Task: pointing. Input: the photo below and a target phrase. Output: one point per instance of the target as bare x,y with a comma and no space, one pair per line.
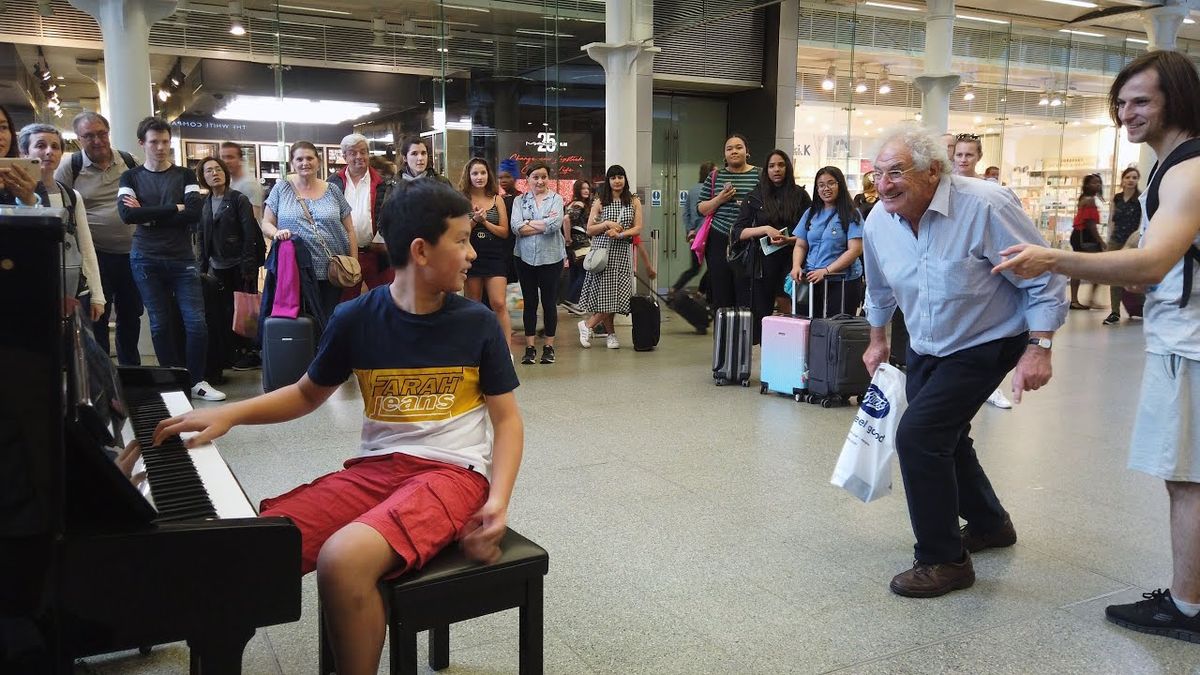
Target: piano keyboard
182,484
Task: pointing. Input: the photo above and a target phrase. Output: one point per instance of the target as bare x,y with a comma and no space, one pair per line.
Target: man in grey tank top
1157,99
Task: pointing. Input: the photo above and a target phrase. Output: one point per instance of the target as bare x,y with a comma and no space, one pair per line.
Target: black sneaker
547,354
248,361
530,356
1112,319
1157,615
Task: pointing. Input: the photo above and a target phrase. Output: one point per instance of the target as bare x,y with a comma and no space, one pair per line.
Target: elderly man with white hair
366,190
930,251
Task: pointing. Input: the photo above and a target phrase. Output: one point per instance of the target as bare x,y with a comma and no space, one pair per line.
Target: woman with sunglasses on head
228,252
489,230
829,241
770,212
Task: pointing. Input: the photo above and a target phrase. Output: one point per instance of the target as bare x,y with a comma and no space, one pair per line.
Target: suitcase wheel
798,396
762,388
826,403
721,382
745,383
812,398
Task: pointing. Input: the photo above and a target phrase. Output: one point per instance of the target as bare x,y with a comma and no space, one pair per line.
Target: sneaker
1112,319
585,335
931,580
1135,317
204,390
999,400
248,361
1001,537
1157,615
547,354
611,342
530,356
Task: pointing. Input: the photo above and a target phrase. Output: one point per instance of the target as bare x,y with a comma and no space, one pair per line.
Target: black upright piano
99,553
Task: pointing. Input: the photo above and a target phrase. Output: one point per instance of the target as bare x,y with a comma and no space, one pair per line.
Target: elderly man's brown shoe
974,542
931,580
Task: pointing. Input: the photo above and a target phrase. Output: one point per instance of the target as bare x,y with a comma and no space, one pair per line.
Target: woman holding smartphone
721,196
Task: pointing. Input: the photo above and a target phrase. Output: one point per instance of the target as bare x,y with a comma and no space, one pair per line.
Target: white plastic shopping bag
864,468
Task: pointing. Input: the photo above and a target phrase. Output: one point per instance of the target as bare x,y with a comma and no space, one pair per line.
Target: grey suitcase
836,347
733,336
288,347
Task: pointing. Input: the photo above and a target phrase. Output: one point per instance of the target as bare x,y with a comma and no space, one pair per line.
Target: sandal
1078,305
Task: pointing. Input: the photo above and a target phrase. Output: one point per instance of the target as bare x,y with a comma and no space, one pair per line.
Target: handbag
245,313
344,270
700,243
864,469
596,260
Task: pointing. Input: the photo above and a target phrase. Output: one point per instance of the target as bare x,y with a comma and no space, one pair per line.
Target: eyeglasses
893,175
967,137
97,136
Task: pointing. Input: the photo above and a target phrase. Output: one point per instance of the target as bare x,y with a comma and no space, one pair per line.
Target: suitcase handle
812,287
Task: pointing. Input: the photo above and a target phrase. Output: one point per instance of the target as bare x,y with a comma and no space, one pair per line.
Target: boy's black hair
152,124
418,210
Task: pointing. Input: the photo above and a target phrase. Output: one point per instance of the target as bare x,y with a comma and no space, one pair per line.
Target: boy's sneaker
547,354
530,356
248,361
1157,615
585,335
1113,318
611,342
204,390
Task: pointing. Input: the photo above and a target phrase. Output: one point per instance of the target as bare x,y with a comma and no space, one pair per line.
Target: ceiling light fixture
163,95
293,110
1055,101
1138,41
885,81
860,83
315,9
984,19
235,18
1075,3
1045,99
830,80
969,94
1080,32
888,5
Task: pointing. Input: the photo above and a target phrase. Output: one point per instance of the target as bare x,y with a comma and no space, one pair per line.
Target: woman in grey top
540,250
329,232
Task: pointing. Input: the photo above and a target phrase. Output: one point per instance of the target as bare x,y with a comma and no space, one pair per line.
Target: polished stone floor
693,529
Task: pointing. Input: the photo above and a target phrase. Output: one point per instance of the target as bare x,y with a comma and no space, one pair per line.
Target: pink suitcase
784,355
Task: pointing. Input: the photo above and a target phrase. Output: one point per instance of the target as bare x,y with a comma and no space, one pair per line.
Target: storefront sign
562,153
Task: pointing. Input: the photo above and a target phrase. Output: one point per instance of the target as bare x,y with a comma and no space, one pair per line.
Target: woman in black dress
489,230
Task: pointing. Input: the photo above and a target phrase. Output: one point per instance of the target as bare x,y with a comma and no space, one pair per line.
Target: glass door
688,131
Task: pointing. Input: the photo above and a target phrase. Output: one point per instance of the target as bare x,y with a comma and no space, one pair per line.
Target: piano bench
454,588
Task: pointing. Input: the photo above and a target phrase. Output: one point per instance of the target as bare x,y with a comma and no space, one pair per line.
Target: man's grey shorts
1166,432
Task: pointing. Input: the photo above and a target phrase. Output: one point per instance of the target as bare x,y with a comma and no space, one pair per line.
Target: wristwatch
1044,343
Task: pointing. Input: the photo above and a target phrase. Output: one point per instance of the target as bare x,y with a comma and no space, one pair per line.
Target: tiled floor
692,529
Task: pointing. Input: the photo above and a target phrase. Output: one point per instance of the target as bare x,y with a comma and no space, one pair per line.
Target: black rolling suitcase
692,307
288,347
836,347
733,336
647,321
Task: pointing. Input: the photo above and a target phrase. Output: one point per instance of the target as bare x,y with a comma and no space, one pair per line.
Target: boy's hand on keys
484,530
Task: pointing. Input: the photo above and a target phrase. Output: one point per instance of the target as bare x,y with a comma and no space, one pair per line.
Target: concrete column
1162,28
125,27
628,85
939,79
785,76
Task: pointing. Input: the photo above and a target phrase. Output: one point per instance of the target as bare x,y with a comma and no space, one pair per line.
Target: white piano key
223,489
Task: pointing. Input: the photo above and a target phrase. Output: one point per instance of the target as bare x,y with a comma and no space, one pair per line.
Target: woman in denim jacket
540,250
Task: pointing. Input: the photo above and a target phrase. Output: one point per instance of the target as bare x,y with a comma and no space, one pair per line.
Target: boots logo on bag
875,404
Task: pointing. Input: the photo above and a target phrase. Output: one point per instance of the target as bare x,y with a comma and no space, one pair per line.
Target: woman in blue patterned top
328,232
830,242
540,249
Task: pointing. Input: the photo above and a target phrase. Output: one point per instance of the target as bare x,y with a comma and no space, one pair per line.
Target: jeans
575,277
943,479
161,283
120,289
540,282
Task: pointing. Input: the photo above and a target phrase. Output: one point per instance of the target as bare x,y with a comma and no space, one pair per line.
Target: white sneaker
585,335
206,391
611,342
999,400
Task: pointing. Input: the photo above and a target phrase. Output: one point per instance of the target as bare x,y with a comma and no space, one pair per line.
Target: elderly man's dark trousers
942,476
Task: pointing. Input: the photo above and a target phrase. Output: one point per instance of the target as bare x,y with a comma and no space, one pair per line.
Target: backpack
77,162
1186,150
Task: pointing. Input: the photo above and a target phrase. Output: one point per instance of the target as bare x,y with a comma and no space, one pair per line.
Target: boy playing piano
432,368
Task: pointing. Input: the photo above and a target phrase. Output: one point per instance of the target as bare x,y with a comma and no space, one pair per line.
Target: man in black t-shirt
164,201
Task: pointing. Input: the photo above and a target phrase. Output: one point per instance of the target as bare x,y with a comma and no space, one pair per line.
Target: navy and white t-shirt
423,377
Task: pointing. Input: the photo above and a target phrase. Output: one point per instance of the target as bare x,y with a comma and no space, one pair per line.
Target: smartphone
729,186
31,166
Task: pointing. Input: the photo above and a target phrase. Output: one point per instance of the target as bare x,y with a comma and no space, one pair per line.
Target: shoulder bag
700,243
344,270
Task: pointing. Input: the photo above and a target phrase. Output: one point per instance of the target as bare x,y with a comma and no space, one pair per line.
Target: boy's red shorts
418,505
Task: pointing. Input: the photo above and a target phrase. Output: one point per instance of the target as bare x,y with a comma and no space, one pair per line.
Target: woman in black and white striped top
722,195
